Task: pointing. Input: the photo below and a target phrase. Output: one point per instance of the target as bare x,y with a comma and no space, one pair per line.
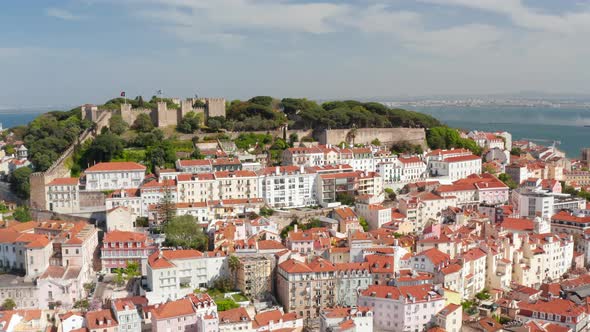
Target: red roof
517,224
100,319
194,162
157,261
182,307
435,256
116,166
233,316
64,182
419,292
461,158
566,216
121,236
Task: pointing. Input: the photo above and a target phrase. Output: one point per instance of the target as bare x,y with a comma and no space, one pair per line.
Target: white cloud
62,14
528,17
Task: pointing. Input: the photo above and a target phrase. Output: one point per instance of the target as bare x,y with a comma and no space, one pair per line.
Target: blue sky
72,52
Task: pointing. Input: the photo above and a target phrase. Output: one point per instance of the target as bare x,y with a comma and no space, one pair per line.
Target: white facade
406,308
114,175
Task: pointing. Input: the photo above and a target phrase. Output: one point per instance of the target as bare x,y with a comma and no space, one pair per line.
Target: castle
162,116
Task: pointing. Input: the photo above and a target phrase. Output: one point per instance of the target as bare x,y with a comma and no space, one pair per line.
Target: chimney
277,170
295,228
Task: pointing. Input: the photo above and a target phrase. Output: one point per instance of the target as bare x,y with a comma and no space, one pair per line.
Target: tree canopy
19,182
448,138
48,135
143,123
190,123
184,231
117,124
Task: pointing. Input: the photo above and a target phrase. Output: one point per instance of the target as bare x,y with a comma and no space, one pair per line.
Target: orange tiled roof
116,166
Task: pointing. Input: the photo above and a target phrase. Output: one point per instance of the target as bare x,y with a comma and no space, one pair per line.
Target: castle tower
164,117
215,107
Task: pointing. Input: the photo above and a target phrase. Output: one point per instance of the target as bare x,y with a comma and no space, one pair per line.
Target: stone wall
387,136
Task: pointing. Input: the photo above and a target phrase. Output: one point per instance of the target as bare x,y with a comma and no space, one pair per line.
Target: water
12,117
541,125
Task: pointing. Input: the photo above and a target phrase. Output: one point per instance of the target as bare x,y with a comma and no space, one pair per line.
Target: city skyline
71,52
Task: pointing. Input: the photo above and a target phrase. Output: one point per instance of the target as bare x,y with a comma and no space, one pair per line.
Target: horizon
72,52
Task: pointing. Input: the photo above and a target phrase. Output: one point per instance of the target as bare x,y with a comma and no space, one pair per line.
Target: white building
287,186
455,168
404,308
172,274
114,175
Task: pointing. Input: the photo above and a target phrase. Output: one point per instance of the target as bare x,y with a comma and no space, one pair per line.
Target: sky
88,51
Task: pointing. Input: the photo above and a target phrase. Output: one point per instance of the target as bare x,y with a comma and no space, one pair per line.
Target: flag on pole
122,93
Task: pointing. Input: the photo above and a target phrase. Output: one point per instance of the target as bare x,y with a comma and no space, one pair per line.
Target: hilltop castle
162,116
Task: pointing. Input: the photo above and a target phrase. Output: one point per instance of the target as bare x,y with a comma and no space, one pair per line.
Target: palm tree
234,265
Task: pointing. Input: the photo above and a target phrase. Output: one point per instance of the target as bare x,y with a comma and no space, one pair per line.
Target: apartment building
287,186
171,274
413,169
455,168
120,247
196,312
62,195
220,185
255,276
405,308
558,311
235,320
306,287
357,319
113,176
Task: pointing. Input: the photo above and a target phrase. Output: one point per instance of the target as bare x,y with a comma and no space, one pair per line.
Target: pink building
196,312
121,247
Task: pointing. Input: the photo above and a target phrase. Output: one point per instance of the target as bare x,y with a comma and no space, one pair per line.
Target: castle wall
387,136
59,169
165,117
215,107
129,115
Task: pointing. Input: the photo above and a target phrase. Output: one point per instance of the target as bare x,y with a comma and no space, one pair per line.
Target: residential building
113,176
119,248
559,311
376,215
306,287
171,274
405,308
255,276
357,319
63,195
275,319
287,186
450,318
455,168
127,314
235,320
101,321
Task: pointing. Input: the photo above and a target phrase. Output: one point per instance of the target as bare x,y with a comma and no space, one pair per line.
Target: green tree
216,123
117,124
226,304
132,270
507,180
199,104
8,304
390,194
223,284
376,142
22,214
105,147
516,151
166,210
119,278
364,224
233,263
82,304
197,153
293,138
190,123
143,123
184,231
9,149
345,199
19,182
